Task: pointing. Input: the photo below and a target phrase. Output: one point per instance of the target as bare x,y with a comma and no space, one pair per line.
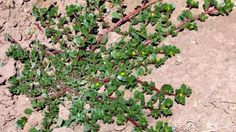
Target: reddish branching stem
155,89
133,122
125,18
122,20
52,52
106,80
207,12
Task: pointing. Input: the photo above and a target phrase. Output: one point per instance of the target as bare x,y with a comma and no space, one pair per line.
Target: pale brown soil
207,63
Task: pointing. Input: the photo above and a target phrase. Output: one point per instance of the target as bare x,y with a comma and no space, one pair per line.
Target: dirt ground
207,63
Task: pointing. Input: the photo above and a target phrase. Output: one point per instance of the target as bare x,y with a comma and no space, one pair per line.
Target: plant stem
133,122
122,20
155,89
38,26
207,12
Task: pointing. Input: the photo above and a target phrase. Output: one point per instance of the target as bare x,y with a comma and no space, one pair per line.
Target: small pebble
193,42
178,60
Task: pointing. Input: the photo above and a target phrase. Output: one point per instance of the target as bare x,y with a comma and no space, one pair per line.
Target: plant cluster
95,76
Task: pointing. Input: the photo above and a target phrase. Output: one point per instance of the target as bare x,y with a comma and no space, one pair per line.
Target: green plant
21,122
94,76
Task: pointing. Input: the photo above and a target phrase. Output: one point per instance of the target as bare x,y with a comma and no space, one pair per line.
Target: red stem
133,122
38,26
125,18
122,20
209,11
195,18
155,89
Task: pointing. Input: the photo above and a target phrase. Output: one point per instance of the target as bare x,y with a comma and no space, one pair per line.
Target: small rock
178,60
78,128
63,112
34,120
147,112
19,2
128,94
17,36
87,106
113,37
193,42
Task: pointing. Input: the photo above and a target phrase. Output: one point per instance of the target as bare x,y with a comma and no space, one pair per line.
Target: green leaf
143,121
21,122
166,111
203,17
156,113
28,111
17,52
206,4
33,129
170,50
163,127
167,89
227,7
120,119
168,103
52,11
182,93
78,41
104,40
192,3
116,15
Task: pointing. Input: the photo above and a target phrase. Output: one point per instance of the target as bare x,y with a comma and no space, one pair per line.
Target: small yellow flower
133,53
158,59
143,53
122,73
97,84
152,14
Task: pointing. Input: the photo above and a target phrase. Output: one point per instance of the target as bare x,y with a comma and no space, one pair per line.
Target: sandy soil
207,63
